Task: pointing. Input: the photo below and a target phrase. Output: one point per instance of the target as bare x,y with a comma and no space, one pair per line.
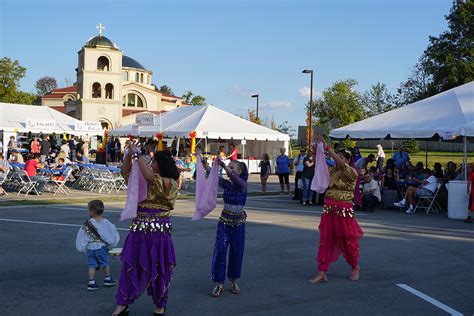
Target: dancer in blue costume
231,228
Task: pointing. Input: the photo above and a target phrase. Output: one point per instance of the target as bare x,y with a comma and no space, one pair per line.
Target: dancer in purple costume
148,256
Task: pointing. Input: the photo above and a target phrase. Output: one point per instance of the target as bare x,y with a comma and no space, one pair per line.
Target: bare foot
319,278
160,310
119,309
355,274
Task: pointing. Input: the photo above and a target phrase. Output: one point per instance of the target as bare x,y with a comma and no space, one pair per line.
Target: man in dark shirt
45,148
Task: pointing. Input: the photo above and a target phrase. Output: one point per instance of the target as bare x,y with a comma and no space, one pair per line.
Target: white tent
448,114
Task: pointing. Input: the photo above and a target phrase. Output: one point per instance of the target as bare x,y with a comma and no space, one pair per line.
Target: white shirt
373,185
107,231
299,162
65,148
380,153
431,185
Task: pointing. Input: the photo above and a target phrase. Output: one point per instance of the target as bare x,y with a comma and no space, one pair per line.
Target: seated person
451,172
187,171
63,156
428,188
81,158
15,156
374,172
388,180
4,169
371,196
31,167
61,165
438,171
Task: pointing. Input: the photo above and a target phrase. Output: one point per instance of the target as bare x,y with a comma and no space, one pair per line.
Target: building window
133,100
141,78
96,90
109,91
125,76
103,63
137,77
148,79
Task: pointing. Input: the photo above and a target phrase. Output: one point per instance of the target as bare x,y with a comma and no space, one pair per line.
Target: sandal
217,291
354,276
234,288
318,279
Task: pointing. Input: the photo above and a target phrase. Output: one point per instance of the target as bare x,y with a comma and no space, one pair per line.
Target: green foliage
349,143
45,84
340,102
165,89
10,74
286,129
252,117
448,61
190,98
377,100
411,145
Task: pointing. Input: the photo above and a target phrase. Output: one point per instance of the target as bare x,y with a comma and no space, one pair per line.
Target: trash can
458,200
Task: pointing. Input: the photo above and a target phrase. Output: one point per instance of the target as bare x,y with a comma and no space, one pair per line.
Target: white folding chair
25,183
429,203
61,182
3,179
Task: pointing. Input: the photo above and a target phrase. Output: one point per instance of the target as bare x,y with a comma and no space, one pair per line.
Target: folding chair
3,179
61,182
25,183
429,203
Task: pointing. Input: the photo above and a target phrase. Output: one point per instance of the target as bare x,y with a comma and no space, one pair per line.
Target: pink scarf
206,189
321,172
137,192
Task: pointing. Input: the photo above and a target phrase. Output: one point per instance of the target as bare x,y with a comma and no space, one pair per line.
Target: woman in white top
371,196
380,157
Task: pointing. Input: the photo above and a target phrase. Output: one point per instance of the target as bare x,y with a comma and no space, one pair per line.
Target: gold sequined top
159,196
342,182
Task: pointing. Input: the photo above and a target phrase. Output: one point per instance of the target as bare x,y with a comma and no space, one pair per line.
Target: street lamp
310,71
256,96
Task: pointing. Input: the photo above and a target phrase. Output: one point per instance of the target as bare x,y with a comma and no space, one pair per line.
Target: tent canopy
208,121
447,114
19,116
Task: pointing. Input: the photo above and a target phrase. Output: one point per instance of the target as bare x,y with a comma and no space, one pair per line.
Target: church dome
131,63
100,41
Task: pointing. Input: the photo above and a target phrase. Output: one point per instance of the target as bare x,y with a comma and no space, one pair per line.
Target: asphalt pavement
410,265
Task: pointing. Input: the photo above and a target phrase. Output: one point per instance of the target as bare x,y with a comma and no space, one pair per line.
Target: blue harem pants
232,237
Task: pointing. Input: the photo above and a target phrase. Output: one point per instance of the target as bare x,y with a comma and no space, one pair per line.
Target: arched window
109,91
134,100
137,77
141,78
96,90
148,79
103,64
125,76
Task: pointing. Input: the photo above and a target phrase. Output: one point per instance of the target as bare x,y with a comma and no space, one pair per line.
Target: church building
110,87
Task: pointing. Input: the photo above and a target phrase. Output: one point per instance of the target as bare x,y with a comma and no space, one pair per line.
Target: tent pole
177,147
205,145
464,157
426,154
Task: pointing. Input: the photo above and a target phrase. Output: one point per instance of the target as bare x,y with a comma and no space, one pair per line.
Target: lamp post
256,96
310,71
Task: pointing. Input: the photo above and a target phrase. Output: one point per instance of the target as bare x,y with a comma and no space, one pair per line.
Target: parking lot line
430,300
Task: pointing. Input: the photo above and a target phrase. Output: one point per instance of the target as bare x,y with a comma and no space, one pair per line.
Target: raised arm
339,162
147,172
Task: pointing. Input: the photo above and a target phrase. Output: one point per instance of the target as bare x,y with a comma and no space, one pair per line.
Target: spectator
371,196
81,158
451,172
283,170
65,148
388,180
401,157
110,149
418,172
438,171
428,188
118,150
234,152
363,162
62,155
380,157
35,146
187,171
298,162
390,164
16,156
61,165
31,166
307,176
73,147
357,154
85,148
265,170
11,145
45,149
4,169
374,172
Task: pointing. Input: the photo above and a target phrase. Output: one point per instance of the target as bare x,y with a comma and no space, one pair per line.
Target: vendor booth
212,127
16,119
448,115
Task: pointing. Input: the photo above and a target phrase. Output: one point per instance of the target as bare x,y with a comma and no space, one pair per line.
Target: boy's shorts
98,258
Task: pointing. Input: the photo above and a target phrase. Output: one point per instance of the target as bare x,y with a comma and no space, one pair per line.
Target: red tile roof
170,95
65,89
61,109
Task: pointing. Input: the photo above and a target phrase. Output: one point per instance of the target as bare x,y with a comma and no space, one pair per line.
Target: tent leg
464,157
426,154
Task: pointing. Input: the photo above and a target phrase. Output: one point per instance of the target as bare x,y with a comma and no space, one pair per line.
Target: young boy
95,237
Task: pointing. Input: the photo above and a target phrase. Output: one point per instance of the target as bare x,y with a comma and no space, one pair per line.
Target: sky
229,50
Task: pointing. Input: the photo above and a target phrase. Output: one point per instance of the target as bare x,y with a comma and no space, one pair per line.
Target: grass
433,156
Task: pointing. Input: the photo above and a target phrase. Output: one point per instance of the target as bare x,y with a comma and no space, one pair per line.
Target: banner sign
33,124
88,126
145,119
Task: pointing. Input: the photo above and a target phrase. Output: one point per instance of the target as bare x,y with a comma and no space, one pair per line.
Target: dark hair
96,206
437,165
35,156
244,172
266,157
371,156
166,165
346,153
427,170
61,159
232,144
63,142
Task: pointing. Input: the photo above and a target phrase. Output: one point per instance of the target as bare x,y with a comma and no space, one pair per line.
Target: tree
340,102
10,74
190,98
252,117
165,89
45,84
377,100
286,129
416,87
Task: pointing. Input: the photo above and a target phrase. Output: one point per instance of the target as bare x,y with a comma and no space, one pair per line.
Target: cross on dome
100,27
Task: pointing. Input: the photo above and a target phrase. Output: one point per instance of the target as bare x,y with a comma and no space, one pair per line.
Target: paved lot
41,273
